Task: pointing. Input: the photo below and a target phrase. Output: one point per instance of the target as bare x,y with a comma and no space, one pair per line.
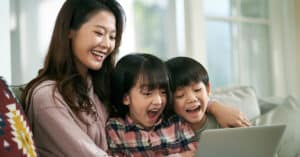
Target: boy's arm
227,116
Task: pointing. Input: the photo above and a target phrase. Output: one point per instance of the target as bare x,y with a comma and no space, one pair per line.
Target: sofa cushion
288,114
268,103
242,97
15,134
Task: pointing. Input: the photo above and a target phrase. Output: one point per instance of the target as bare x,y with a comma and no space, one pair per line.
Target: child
141,91
191,88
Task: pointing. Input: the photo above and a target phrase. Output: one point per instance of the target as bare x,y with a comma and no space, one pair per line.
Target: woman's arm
55,130
228,116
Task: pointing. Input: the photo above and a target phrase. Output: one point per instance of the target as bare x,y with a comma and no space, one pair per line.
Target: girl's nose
157,100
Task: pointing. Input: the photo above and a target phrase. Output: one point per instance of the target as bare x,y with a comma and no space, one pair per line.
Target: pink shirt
58,131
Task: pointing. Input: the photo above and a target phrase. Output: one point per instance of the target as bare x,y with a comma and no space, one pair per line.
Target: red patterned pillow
15,133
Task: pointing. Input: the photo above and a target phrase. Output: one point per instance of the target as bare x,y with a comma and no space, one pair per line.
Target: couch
261,111
15,133
267,111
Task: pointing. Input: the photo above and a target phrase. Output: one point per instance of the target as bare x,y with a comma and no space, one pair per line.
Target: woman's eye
112,38
99,33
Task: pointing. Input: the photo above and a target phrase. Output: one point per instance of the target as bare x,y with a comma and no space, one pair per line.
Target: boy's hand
187,154
228,116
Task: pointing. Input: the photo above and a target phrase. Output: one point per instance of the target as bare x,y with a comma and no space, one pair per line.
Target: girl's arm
228,116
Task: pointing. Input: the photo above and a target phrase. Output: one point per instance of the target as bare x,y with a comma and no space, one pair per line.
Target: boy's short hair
185,70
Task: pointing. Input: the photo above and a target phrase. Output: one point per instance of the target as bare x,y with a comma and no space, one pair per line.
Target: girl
65,103
136,127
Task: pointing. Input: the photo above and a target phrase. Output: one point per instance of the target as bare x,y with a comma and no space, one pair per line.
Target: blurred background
240,42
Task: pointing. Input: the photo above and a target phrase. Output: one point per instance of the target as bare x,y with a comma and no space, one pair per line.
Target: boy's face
190,102
145,105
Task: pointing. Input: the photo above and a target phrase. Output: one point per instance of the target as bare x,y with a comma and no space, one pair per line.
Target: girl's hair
59,64
184,71
148,68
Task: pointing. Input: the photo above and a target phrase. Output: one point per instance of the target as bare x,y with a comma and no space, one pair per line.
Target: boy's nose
191,97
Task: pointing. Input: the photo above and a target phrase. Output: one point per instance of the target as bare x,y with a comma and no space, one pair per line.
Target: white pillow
289,114
242,97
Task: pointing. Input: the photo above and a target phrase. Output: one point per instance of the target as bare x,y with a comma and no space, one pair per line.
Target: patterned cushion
15,134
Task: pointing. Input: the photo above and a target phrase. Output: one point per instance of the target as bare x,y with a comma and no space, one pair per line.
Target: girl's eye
147,93
163,92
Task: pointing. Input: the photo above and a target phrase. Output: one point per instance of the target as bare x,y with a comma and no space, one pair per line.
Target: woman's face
94,41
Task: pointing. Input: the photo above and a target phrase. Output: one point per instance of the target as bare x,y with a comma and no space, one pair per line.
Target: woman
66,102
63,102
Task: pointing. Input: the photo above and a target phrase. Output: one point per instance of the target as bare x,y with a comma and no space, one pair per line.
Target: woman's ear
71,34
126,100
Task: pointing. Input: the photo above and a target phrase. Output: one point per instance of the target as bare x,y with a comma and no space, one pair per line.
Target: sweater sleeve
55,130
114,131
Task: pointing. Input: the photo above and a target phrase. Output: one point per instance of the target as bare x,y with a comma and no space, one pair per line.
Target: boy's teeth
192,108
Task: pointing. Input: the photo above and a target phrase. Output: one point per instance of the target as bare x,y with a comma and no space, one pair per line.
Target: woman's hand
228,116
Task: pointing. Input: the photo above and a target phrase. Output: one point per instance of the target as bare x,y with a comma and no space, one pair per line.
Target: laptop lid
254,141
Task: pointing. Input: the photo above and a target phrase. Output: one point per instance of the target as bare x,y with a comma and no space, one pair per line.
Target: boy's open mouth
192,109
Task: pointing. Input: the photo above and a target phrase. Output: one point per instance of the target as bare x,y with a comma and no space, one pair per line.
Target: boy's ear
126,100
208,88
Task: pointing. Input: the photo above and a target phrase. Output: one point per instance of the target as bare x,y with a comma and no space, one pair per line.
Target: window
154,26
238,43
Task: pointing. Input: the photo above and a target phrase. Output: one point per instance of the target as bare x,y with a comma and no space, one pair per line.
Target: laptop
254,141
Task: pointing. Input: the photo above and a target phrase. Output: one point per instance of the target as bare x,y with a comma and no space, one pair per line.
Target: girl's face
145,105
94,41
190,102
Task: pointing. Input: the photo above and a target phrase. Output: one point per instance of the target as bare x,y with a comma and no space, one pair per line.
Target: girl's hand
228,116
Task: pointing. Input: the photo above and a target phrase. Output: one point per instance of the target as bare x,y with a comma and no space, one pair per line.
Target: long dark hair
129,69
59,64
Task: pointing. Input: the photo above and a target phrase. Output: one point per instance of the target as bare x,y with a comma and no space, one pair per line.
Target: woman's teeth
98,53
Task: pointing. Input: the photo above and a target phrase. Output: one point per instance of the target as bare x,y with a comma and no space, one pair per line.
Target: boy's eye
198,89
178,96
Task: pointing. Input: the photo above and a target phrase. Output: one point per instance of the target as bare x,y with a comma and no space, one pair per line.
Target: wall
297,18
5,58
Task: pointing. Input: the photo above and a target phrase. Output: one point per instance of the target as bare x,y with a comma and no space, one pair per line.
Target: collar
131,125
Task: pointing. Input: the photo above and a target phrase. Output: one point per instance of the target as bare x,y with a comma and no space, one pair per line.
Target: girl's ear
126,99
208,88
